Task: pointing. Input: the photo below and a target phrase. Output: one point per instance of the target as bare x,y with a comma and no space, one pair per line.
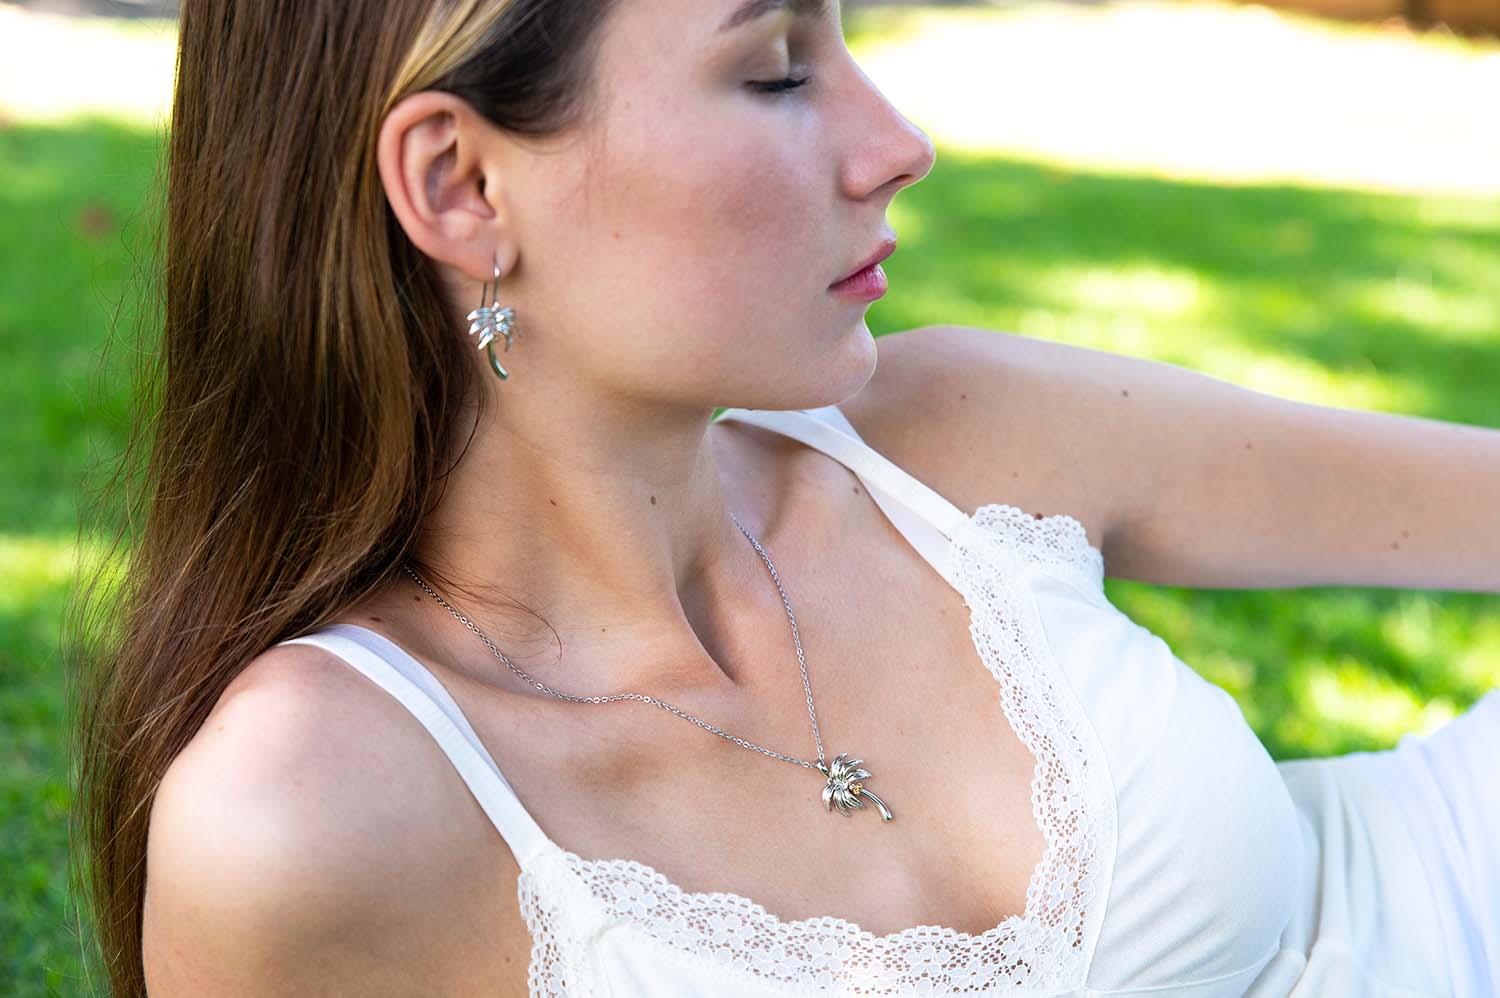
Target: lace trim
1058,541
1040,950
562,917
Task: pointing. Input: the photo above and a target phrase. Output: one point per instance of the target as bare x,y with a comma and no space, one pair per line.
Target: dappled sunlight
32,564
1425,629
1210,90
1148,289
39,570
1474,641
1349,697
1121,332
1302,378
1412,298
1411,628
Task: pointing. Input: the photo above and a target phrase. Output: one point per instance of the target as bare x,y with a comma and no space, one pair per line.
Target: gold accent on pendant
844,790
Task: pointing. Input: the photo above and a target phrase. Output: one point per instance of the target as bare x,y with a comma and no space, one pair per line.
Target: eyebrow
752,9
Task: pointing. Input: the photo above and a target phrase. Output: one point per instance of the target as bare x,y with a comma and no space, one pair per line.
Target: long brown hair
293,425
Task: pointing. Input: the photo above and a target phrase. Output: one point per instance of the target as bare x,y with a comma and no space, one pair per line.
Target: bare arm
1202,483
1261,492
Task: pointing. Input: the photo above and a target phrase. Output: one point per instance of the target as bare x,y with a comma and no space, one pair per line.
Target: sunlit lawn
1338,296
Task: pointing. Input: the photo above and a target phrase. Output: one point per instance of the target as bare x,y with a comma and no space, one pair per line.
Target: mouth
886,248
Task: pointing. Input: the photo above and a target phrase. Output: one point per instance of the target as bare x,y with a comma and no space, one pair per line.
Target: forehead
736,13
718,20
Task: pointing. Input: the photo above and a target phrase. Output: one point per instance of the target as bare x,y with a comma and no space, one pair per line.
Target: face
681,248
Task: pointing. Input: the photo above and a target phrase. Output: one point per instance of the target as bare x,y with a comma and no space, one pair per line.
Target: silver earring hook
489,321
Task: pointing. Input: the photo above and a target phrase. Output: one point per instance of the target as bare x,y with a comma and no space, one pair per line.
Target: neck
616,530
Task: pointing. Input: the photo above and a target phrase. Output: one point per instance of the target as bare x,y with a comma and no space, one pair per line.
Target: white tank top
1181,860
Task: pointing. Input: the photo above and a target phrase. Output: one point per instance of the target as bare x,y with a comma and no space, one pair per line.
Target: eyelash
782,86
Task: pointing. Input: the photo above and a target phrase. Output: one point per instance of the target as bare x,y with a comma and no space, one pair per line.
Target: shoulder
298,842
985,416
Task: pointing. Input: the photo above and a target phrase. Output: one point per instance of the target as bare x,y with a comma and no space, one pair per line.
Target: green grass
71,198
1338,297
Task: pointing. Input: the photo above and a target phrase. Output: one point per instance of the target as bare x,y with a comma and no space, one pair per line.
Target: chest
897,682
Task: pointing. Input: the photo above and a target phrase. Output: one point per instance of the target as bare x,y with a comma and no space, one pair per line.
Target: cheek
723,208
717,215
683,246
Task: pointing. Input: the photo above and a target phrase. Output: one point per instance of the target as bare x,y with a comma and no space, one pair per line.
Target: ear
444,191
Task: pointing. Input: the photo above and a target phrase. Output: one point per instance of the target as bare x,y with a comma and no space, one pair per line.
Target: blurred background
1302,197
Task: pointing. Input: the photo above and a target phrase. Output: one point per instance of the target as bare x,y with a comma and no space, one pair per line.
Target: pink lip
864,285
886,248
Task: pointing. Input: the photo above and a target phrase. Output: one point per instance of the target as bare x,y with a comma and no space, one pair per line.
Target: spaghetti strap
927,519
835,415
389,666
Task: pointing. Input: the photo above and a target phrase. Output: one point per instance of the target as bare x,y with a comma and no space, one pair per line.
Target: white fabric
1446,781
1181,860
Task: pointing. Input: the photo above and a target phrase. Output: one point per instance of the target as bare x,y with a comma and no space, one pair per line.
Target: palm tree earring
490,321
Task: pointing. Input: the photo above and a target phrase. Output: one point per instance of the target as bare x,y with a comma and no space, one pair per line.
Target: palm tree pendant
844,789
489,321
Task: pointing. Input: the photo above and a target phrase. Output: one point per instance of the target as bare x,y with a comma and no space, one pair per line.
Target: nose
888,152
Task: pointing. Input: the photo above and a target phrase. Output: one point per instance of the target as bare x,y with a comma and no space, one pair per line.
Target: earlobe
434,179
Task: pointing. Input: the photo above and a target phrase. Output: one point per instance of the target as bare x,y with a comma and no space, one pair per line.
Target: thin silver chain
796,639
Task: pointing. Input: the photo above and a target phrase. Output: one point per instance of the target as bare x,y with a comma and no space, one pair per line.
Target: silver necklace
843,788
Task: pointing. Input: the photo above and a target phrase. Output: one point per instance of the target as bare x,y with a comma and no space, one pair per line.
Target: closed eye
779,86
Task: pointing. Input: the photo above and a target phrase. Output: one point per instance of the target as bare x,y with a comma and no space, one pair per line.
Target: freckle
962,395
1249,445
1405,534
376,619
552,501
1394,545
653,500
1015,474
1125,392
855,490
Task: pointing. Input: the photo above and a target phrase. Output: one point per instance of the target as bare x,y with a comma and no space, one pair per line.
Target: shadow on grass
1349,282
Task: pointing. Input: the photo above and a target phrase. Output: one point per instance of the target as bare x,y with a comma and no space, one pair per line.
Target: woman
452,292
